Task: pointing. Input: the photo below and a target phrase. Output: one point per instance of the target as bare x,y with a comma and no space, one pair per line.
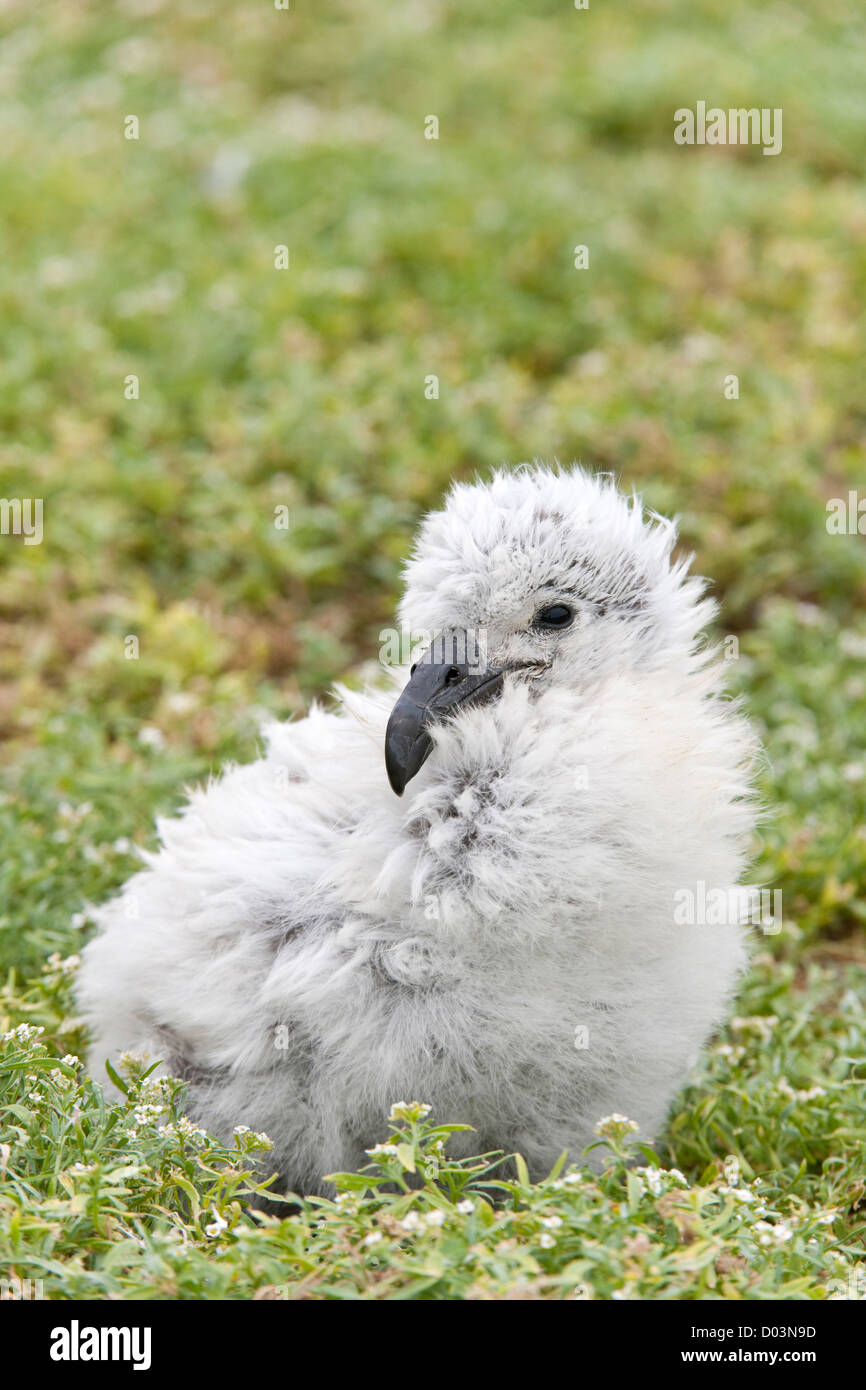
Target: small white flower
773,1235
186,1127
466,1207
408,1110
131,1059
25,1032
145,1114
372,1239
217,1226
151,737
181,702
411,1221
653,1179
546,1242
435,1218
552,1223
760,1024
612,1126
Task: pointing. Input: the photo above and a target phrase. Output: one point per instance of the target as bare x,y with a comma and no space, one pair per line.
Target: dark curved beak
438,686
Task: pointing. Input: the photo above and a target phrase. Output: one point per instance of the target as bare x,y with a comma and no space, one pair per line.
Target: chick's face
559,634
548,579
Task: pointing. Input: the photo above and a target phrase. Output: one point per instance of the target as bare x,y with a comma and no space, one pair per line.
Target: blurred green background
304,388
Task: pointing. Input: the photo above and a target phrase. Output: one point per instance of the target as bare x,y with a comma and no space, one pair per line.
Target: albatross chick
465,895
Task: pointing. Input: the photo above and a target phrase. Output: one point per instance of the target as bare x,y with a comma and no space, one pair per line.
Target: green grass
305,388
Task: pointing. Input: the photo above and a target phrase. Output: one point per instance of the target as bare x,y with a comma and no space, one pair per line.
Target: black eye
557,615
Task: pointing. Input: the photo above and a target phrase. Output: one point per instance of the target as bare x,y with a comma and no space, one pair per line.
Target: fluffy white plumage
307,948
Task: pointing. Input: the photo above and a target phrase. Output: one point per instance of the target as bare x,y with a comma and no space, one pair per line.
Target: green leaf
635,1190
353,1182
119,1083
406,1155
558,1166
186,1186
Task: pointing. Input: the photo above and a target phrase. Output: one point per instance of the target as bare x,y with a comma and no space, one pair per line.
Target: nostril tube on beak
438,687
